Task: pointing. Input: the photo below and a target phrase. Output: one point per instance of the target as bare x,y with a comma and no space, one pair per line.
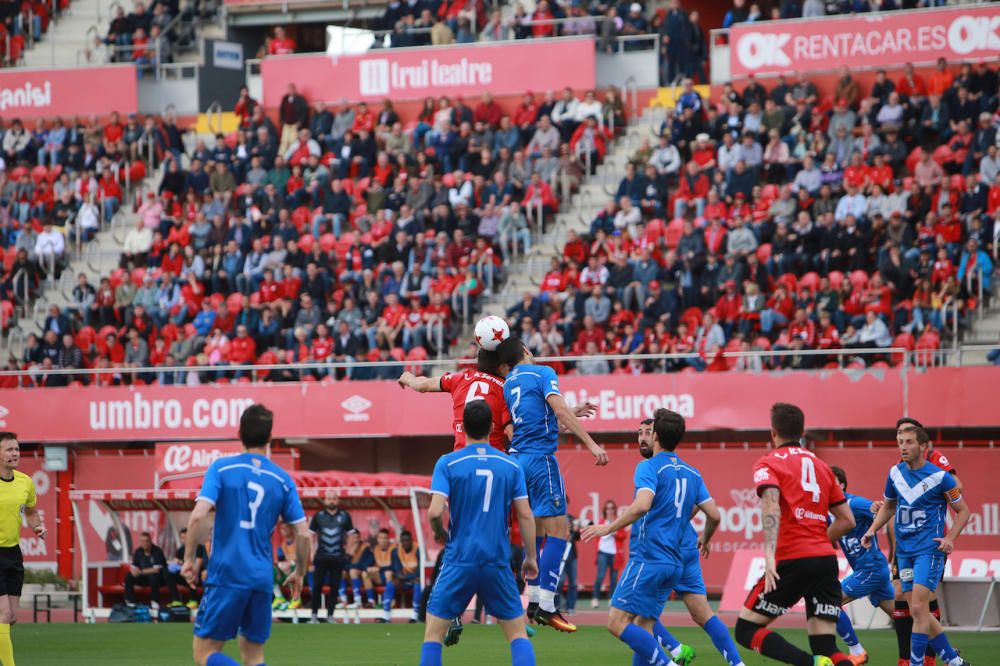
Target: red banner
503,68
191,457
40,552
30,93
883,39
727,475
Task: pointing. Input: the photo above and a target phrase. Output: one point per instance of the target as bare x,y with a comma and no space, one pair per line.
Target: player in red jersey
798,491
902,621
486,383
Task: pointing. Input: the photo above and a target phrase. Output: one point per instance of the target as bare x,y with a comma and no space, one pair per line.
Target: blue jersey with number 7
480,484
249,493
526,390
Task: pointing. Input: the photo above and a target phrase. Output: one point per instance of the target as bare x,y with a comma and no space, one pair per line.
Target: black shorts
11,571
814,578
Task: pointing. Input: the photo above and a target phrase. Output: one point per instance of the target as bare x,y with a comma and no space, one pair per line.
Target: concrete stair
66,38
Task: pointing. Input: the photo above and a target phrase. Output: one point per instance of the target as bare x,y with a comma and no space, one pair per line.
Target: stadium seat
836,279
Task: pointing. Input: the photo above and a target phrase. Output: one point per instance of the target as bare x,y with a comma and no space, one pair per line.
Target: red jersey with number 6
808,490
465,387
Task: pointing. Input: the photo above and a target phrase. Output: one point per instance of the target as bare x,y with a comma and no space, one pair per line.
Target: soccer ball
491,331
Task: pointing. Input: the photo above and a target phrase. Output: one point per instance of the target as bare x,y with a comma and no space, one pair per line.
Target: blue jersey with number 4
859,557
536,429
480,484
922,498
249,493
677,487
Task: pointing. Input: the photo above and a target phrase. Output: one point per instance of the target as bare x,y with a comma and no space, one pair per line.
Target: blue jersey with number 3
922,497
677,487
536,429
249,493
480,484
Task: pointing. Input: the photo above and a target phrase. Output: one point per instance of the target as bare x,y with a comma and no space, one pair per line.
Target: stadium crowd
22,24
329,235
795,222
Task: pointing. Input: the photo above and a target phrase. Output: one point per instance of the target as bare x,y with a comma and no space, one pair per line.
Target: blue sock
430,654
342,590
723,641
416,595
388,595
846,630
356,588
219,659
371,595
644,645
521,652
664,637
943,647
538,554
550,563
918,649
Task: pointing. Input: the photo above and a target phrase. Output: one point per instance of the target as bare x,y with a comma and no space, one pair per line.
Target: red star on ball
498,334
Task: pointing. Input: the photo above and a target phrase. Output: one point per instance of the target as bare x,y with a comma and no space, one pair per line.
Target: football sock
757,638
6,646
722,641
539,541
826,645
664,637
370,593
918,649
521,652
943,647
388,595
550,569
356,588
902,622
214,659
430,654
645,646
846,630
342,591
416,596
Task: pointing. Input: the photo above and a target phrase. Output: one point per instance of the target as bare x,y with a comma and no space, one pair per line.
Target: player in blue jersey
870,576
918,494
666,492
691,587
480,485
249,494
537,409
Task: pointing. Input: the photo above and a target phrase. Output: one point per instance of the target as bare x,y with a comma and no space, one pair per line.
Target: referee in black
329,527
16,490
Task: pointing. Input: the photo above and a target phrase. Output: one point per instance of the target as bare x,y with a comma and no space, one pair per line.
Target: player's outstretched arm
712,520
770,510
196,522
883,516
419,384
526,521
843,521
570,421
946,544
636,510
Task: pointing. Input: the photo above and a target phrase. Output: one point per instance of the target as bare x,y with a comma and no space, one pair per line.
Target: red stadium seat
327,242
764,252
859,279
306,242
836,279
673,233
809,281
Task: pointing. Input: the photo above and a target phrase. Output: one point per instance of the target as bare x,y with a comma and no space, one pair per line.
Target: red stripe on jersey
757,642
472,385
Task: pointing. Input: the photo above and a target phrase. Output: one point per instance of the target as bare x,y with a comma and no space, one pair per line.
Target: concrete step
68,36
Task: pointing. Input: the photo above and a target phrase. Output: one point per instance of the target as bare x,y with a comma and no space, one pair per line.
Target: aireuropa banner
729,479
833,399
503,68
30,93
883,39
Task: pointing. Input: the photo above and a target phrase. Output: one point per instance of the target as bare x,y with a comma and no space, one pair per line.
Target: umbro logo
357,406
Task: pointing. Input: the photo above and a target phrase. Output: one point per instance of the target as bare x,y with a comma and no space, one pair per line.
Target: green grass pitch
381,645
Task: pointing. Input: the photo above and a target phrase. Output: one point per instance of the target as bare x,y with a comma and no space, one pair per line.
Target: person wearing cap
634,24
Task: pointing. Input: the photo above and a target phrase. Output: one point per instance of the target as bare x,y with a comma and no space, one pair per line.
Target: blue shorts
225,612
644,587
456,585
691,580
876,584
546,494
925,569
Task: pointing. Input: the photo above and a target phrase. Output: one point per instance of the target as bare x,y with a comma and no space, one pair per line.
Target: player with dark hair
480,486
902,620
249,494
918,494
798,491
537,408
691,586
870,575
666,492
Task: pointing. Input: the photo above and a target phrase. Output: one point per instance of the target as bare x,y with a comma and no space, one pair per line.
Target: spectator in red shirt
941,79
321,348
778,311
270,290
280,44
574,250
590,332
488,111
242,349
911,86
541,21
802,328
525,115
391,321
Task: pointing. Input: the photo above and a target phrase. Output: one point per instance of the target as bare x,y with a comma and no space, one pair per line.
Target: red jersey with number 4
474,385
808,490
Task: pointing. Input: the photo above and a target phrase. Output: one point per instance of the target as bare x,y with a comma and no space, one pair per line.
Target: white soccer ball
491,331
